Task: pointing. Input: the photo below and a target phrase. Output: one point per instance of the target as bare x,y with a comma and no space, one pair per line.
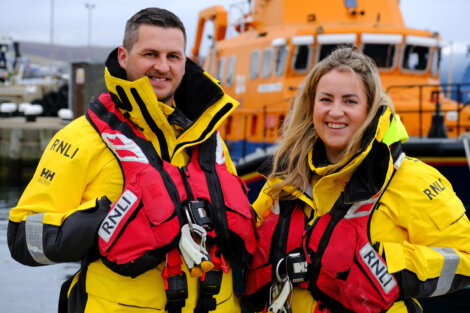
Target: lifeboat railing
454,92
440,94
268,129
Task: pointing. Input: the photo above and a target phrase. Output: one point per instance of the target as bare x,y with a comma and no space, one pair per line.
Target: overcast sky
30,20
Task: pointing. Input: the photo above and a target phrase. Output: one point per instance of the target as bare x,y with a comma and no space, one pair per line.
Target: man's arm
58,215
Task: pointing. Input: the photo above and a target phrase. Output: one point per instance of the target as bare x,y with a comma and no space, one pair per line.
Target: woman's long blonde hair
298,132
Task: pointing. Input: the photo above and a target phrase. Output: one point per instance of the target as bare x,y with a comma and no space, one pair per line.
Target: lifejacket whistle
195,254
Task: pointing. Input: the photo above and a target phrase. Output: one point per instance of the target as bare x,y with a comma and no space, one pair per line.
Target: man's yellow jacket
56,219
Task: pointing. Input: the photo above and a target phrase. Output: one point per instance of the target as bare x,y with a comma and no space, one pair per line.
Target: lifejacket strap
176,285
210,282
208,288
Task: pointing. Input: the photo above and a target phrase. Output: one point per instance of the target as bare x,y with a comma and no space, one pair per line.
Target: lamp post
90,7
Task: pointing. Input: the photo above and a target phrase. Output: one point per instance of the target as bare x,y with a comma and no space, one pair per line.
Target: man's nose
161,65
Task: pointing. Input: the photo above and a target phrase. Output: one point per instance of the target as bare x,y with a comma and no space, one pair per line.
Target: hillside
40,53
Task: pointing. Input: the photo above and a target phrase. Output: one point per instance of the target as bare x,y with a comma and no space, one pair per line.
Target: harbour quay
22,143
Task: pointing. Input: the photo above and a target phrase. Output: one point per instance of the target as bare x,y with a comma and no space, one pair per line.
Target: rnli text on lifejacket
115,216
377,267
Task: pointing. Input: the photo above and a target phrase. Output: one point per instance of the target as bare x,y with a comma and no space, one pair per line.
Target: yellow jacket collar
132,96
199,97
386,127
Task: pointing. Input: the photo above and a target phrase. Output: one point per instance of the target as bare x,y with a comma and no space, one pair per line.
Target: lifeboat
262,58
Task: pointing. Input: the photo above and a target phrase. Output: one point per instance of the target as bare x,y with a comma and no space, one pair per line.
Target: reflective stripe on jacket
56,219
420,225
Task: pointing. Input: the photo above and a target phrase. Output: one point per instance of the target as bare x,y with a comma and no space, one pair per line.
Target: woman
347,222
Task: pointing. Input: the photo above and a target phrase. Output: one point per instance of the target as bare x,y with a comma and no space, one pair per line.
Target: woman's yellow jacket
420,223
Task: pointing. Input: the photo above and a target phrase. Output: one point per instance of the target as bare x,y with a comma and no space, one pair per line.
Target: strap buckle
176,285
176,288
210,283
295,266
196,214
209,286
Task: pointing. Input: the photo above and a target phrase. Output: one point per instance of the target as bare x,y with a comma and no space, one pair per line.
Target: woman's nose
336,110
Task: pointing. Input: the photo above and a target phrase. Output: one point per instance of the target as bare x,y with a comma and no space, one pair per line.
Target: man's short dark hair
150,16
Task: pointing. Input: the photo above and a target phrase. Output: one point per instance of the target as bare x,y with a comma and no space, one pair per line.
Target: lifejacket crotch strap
176,285
210,282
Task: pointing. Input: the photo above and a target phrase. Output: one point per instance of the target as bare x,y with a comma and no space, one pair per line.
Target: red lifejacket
145,223
332,257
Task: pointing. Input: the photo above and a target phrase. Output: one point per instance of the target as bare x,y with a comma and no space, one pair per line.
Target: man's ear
122,57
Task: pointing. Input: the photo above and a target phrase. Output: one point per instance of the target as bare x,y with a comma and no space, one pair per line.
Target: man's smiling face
158,53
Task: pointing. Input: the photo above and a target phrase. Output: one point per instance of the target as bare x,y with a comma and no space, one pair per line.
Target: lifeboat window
436,61
267,68
254,122
325,50
302,56
221,69
382,54
207,63
231,70
415,58
270,121
281,120
210,63
228,126
281,59
254,63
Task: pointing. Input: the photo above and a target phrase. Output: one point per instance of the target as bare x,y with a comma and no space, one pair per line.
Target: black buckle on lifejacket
295,266
198,214
208,288
176,293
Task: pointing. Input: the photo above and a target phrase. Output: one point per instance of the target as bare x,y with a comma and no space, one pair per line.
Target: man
141,190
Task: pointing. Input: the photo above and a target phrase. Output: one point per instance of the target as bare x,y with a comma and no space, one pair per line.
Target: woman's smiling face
339,109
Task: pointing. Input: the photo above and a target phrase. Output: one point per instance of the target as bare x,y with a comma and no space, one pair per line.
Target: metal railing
459,93
244,120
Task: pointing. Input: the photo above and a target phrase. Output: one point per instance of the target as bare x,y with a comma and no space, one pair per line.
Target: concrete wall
22,144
